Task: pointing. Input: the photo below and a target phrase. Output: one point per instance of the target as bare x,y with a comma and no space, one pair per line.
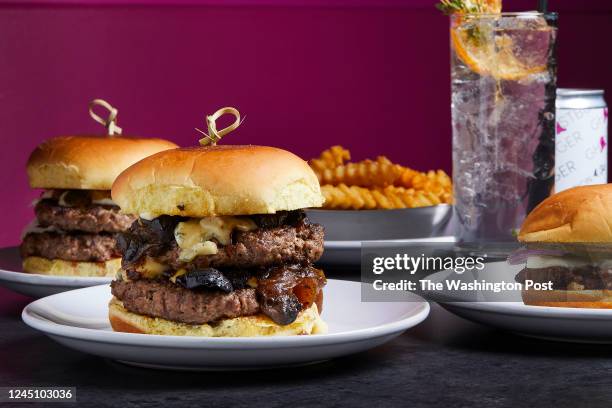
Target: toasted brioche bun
59,267
87,162
580,214
217,180
307,322
588,299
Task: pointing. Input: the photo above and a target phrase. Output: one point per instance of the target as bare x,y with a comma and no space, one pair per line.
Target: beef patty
259,248
585,277
88,218
281,293
301,242
172,302
71,246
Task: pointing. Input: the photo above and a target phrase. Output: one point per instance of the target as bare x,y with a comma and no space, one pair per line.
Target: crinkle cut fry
332,169
366,173
359,198
379,183
330,158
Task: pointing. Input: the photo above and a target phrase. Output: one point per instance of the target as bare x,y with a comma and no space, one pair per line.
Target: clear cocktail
503,105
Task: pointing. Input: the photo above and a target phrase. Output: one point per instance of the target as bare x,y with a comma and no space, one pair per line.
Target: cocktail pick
215,135
111,122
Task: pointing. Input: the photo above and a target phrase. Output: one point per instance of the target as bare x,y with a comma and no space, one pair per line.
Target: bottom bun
59,267
586,299
307,322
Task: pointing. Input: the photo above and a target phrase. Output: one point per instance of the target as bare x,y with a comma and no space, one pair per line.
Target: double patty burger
569,241
222,246
76,226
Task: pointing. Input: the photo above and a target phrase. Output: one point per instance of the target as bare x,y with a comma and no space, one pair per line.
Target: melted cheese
103,201
178,273
201,248
195,236
34,228
190,238
100,196
122,275
252,282
45,194
221,228
62,199
151,269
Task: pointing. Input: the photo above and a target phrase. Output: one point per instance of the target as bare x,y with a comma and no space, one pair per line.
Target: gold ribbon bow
111,123
215,135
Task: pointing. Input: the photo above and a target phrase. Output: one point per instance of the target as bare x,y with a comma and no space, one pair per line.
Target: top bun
580,214
217,180
87,162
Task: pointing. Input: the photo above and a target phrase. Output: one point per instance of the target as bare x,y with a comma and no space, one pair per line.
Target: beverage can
581,138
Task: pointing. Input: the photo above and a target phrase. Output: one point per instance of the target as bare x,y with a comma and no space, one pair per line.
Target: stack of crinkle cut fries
377,184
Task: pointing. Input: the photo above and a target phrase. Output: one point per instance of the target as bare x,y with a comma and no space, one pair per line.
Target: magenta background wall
372,75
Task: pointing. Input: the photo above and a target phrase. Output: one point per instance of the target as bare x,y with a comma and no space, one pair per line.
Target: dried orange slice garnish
482,50
487,53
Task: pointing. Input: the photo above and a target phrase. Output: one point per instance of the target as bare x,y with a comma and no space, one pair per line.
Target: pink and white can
581,141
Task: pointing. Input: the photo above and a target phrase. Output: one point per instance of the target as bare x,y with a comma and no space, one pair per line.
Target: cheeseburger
76,225
569,244
222,246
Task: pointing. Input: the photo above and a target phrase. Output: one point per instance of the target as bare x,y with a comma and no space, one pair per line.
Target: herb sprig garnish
458,6
461,7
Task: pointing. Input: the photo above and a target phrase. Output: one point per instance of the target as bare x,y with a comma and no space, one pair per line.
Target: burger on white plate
222,246
568,241
76,225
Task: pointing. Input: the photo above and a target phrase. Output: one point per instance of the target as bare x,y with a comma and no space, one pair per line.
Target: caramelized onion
147,237
208,278
286,290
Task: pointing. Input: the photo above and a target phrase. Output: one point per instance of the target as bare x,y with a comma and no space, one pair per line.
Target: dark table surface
445,361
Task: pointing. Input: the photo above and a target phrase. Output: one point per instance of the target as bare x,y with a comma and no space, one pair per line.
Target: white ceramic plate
553,323
78,319
12,277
